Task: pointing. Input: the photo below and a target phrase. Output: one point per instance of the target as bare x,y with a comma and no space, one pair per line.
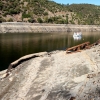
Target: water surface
14,46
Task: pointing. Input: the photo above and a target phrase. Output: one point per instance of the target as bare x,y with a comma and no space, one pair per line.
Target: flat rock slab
55,76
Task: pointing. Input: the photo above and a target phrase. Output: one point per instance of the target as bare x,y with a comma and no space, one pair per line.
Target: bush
1,6
24,15
45,13
31,20
5,13
38,11
13,11
40,20
50,20
2,20
10,20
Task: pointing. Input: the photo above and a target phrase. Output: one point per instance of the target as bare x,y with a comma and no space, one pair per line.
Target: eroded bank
20,27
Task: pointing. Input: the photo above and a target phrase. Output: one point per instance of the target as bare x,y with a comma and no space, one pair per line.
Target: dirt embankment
20,27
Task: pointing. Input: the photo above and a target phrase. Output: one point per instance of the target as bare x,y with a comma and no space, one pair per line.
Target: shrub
13,11
1,6
31,20
24,15
2,20
40,20
45,13
10,20
5,13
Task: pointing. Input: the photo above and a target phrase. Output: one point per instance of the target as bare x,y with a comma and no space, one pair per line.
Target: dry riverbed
55,76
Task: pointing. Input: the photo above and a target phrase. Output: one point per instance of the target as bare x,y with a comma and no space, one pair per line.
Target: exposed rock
55,76
20,27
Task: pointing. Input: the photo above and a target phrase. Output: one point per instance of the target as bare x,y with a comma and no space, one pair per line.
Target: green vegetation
46,11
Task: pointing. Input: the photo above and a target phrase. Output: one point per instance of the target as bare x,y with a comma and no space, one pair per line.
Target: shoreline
22,59
21,27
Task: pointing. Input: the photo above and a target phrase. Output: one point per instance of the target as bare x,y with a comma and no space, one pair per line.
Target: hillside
46,11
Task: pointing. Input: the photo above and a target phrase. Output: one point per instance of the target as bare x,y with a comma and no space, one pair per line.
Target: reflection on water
14,46
77,38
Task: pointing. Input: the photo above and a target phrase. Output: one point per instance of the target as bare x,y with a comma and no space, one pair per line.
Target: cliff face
55,75
18,27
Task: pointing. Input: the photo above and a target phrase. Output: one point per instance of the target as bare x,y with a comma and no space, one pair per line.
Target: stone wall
20,27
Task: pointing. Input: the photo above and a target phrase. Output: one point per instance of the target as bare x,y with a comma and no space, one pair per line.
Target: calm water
14,46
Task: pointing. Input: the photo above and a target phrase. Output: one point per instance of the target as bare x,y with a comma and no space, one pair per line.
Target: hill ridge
46,11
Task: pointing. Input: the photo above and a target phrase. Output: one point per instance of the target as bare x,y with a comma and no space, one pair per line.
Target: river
14,46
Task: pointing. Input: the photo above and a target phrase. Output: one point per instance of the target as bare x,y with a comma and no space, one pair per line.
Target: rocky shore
54,76
21,27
